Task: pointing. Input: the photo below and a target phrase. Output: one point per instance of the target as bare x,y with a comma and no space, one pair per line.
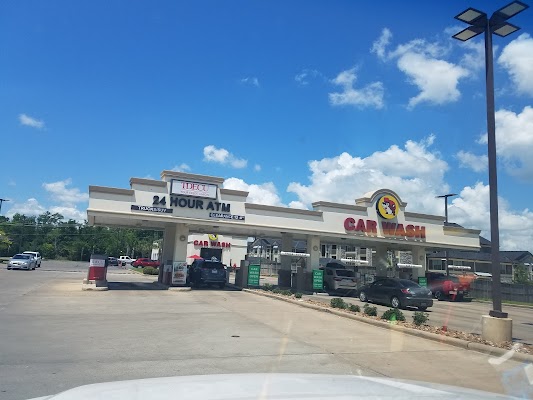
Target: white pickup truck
123,260
37,256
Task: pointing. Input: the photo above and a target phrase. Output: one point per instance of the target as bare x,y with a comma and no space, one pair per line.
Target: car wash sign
387,208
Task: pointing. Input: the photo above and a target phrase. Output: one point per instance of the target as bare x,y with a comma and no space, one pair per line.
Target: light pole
1,201
497,24
445,197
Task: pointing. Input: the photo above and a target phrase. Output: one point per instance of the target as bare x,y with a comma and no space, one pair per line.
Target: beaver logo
387,206
213,237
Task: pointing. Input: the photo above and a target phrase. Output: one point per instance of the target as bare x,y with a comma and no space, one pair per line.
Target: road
56,336
461,316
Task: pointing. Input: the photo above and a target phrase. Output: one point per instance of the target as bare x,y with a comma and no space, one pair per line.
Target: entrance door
208,253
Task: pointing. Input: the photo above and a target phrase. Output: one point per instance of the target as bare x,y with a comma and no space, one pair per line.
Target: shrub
150,271
393,314
370,310
286,292
298,295
337,302
354,308
420,318
268,287
276,291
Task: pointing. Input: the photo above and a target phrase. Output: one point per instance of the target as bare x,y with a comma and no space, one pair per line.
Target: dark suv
207,272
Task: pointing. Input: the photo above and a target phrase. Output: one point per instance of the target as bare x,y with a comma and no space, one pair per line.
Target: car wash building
201,218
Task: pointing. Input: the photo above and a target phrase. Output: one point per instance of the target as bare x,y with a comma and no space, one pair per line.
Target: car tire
8,269
395,302
222,285
422,308
439,295
363,297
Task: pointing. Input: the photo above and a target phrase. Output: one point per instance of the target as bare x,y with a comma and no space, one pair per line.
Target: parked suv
446,287
338,278
207,272
36,255
145,262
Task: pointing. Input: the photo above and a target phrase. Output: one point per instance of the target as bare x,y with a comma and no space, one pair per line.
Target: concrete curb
464,344
505,304
179,288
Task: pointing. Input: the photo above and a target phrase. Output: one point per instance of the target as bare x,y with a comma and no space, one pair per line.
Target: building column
380,261
174,249
284,274
180,243
419,257
313,248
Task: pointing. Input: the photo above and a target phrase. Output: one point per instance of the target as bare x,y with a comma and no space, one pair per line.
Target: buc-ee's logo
213,237
388,206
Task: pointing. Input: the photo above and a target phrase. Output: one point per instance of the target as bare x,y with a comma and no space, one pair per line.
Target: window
323,250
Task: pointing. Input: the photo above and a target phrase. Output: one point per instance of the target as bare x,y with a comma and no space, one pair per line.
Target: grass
509,302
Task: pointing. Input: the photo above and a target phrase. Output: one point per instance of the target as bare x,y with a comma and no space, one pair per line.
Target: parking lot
56,336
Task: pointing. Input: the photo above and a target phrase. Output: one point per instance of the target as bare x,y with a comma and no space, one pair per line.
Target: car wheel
439,295
422,308
395,302
326,288
362,297
8,269
222,285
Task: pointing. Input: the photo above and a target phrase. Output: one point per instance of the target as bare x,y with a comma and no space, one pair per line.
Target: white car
22,261
36,255
123,260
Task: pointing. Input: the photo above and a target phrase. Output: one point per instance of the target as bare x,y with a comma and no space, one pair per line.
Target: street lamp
1,201
445,197
497,24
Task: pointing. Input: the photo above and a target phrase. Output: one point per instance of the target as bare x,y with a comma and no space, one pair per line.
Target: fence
510,291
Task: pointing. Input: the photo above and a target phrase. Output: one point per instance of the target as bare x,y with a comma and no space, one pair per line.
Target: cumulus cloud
471,161
370,95
472,210
415,171
250,80
257,168
181,168
67,196
265,193
422,62
29,207
303,77
26,120
517,59
514,138
223,156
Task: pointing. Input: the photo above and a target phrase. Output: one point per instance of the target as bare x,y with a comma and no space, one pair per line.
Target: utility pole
1,201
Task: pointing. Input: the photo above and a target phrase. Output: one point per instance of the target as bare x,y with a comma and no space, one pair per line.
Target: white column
419,257
169,239
180,243
380,261
313,248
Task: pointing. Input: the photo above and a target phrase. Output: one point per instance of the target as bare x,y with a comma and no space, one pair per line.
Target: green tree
521,275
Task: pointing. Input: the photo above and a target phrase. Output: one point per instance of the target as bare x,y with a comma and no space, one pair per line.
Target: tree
521,275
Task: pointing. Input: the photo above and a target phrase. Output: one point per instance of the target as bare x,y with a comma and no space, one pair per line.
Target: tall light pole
1,201
445,197
497,24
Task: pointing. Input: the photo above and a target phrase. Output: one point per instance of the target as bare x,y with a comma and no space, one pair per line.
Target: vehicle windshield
344,272
212,264
21,257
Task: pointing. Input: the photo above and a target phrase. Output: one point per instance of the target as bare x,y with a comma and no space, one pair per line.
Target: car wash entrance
200,218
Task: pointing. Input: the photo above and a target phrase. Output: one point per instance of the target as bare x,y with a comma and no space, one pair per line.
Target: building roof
518,256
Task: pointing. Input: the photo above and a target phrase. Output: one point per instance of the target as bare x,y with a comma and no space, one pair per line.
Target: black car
208,272
399,293
112,261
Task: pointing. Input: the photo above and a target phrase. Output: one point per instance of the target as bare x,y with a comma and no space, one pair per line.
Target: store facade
199,216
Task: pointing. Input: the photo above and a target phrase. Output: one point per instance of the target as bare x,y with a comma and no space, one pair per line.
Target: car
207,272
36,255
112,261
123,260
399,293
145,262
22,261
446,287
338,278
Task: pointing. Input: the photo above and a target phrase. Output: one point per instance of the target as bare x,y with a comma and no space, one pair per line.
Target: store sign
226,216
205,243
423,281
194,189
197,204
162,210
318,279
179,273
388,206
254,272
390,229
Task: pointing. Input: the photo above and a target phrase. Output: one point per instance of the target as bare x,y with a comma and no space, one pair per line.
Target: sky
293,101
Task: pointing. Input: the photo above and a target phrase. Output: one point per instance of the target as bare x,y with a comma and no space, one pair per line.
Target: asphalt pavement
56,336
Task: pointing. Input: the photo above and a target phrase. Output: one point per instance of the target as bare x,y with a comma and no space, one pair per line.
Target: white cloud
297,204
414,171
250,80
29,207
514,139
474,56
471,210
29,121
67,196
265,193
517,59
369,96
306,75
181,168
469,160
69,213
257,167
425,68
223,156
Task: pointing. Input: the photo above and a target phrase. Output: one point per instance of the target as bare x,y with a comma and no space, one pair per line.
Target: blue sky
294,101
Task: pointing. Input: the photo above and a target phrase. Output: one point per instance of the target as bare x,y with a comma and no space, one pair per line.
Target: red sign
389,228
205,243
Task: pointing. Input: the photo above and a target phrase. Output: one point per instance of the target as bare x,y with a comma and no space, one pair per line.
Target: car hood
268,386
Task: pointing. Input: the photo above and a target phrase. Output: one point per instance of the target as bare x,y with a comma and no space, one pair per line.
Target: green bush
337,302
298,295
393,314
370,310
268,287
354,308
150,271
276,291
286,292
420,318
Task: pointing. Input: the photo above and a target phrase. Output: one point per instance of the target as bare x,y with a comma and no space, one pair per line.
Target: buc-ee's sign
211,243
389,229
194,189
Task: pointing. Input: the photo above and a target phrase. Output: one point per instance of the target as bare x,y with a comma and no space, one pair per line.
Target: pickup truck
447,287
123,260
36,255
